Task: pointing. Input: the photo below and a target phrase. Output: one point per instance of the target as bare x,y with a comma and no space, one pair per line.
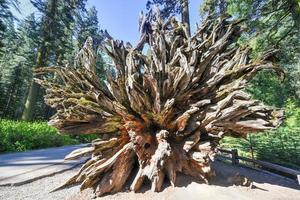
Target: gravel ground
40,189
266,187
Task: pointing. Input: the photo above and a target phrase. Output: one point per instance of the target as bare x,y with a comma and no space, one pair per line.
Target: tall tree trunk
30,101
185,15
222,7
34,89
41,59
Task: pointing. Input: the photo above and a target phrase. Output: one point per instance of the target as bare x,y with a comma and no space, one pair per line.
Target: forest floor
265,187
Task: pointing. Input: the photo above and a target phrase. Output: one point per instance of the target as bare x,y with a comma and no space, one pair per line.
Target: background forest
52,35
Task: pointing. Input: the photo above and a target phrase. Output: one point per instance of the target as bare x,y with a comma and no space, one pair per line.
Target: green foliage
213,7
271,24
47,40
5,17
168,7
268,24
281,146
292,112
15,66
268,88
88,25
22,136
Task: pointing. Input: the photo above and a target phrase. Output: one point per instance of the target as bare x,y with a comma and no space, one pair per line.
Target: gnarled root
157,159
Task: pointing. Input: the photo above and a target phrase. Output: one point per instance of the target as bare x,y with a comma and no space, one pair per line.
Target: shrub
281,146
22,136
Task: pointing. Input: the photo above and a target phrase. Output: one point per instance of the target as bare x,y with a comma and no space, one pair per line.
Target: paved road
19,168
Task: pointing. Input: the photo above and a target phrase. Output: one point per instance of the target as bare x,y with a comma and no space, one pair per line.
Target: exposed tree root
164,111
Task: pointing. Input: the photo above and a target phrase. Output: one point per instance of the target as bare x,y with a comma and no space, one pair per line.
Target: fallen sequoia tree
163,111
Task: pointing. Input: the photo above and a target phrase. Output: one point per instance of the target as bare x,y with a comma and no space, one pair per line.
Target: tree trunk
222,7
33,89
185,15
30,101
165,110
41,59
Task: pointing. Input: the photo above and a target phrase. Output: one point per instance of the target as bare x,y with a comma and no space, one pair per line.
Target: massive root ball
162,109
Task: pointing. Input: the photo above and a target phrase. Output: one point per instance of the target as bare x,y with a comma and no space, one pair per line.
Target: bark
30,101
185,15
164,111
222,7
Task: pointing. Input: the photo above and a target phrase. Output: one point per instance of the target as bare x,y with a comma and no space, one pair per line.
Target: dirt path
266,187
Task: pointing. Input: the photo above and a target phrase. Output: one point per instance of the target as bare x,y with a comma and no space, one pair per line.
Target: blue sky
119,17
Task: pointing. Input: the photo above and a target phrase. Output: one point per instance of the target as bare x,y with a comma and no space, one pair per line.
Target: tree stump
163,108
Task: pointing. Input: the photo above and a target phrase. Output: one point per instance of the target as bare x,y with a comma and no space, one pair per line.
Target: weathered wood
271,166
167,109
80,153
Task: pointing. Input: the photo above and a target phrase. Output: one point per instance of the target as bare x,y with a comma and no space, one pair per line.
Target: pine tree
16,64
47,35
55,40
5,17
88,26
171,7
8,61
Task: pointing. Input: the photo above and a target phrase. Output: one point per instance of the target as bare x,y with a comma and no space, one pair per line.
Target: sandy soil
265,187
